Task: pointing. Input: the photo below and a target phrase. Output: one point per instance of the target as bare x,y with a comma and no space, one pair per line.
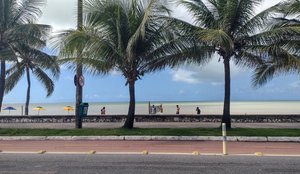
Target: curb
154,138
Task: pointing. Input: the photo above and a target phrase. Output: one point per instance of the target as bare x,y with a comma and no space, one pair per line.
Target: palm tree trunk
2,82
28,91
131,111
226,108
2,73
78,120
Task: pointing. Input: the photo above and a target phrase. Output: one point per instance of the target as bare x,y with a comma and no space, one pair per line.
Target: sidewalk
153,125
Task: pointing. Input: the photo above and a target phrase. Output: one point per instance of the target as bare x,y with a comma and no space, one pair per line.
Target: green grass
150,131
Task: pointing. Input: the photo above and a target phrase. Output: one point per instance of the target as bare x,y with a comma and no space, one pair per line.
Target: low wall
153,118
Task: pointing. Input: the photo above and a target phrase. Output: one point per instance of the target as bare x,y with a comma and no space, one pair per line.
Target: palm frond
216,38
204,16
274,35
263,74
32,34
237,13
289,7
14,75
45,80
28,10
7,54
153,10
257,22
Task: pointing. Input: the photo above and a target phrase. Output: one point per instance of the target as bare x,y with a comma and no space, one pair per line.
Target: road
146,164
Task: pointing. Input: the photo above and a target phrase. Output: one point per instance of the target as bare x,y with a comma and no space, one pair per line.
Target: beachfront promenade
207,145
149,147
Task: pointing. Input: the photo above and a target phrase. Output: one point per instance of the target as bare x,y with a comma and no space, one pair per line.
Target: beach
188,107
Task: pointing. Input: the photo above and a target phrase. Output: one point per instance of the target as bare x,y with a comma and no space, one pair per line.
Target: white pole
149,107
224,139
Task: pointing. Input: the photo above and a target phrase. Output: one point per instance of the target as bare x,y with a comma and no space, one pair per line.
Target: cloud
59,14
183,75
115,73
212,73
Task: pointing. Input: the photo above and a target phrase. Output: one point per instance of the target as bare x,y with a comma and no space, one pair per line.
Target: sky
185,83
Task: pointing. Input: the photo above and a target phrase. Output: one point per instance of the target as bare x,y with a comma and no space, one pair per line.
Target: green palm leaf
14,75
45,80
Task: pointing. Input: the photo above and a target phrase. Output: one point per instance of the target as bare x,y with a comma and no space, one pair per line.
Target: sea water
189,107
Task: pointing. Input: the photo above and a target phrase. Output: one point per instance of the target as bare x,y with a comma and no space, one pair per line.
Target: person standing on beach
198,110
153,110
161,109
103,111
177,109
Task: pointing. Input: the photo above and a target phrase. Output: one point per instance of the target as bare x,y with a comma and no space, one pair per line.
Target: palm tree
78,120
236,33
15,29
286,58
132,37
40,64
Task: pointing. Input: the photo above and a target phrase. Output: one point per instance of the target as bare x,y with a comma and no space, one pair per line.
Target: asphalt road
145,164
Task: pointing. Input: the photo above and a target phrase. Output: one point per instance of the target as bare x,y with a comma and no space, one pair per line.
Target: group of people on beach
158,109
198,111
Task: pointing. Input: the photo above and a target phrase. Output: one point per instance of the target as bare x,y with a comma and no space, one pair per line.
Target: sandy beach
237,107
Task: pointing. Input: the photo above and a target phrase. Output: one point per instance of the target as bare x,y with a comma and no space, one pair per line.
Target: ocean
189,107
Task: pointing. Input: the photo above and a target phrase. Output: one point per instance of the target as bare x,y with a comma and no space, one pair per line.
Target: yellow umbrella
39,108
68,108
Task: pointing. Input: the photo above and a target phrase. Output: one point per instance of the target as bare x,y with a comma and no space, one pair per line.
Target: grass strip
151,131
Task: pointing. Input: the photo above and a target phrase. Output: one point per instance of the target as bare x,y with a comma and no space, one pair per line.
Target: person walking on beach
177,109
198,110
103,111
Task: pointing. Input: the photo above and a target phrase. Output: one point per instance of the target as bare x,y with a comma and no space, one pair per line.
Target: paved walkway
149,125
151,147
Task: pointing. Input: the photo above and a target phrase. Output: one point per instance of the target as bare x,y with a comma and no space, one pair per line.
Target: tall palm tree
287,55
79,88
15,28
132,37
39,63
236,33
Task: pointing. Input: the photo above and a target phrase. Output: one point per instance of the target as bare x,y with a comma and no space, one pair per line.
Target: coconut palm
237,33
79,88
132,37
287,59
32,61
16,28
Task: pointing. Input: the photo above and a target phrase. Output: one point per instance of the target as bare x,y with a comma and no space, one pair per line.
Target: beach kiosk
83,109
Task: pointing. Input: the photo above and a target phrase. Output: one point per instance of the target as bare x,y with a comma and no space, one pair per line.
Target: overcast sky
182,84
